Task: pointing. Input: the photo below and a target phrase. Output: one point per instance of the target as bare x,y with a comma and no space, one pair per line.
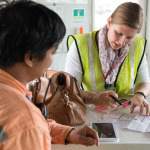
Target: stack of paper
133,121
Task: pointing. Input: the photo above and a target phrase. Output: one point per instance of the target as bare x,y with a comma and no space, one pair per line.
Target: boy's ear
28,59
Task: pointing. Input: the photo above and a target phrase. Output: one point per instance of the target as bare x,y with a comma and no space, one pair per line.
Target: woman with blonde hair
113,58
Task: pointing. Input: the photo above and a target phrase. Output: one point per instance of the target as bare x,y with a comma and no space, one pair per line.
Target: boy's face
41,66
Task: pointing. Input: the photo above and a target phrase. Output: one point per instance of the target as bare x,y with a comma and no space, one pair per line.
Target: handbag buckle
66,95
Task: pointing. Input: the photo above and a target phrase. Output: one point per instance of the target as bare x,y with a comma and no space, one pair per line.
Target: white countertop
129,140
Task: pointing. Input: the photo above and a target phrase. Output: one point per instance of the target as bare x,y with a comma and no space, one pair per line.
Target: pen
116,100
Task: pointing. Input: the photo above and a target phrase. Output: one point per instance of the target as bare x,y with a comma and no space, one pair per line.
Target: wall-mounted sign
78,14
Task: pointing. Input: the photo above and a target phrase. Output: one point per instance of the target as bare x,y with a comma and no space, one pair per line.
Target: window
102,9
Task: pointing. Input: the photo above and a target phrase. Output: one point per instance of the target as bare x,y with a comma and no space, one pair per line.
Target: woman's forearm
143,87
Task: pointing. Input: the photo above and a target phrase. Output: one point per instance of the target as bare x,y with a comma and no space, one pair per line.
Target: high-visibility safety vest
91,66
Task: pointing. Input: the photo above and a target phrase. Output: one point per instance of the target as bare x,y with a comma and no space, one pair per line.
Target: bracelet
66,141
141,94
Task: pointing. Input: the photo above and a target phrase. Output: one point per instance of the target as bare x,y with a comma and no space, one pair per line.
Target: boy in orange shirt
29,35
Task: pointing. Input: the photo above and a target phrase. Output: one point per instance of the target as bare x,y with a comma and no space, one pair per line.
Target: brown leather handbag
60,97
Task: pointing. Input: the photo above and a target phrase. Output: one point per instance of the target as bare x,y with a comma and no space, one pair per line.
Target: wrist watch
140,93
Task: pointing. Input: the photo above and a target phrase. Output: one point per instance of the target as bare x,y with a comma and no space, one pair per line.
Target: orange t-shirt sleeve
58,132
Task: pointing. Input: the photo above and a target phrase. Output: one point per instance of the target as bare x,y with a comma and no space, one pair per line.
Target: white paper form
120,119
134,121
137,126
140,123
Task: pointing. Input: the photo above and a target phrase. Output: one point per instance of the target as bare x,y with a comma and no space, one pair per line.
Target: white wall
143,4
71,26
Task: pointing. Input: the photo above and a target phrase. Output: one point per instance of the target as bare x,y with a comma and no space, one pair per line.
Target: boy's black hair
26,26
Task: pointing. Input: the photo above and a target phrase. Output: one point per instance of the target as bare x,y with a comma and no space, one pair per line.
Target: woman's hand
104,99
138,100
83,135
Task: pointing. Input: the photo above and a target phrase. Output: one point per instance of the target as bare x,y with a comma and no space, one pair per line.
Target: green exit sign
78,14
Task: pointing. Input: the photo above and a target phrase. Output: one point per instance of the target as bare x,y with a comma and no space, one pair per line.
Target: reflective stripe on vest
92,70
132,67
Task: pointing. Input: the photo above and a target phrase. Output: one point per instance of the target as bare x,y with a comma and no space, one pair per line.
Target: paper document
134,121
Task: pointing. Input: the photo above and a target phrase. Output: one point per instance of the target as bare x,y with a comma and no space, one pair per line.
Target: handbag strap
36,89
47,90
73,84
44,109
42,106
